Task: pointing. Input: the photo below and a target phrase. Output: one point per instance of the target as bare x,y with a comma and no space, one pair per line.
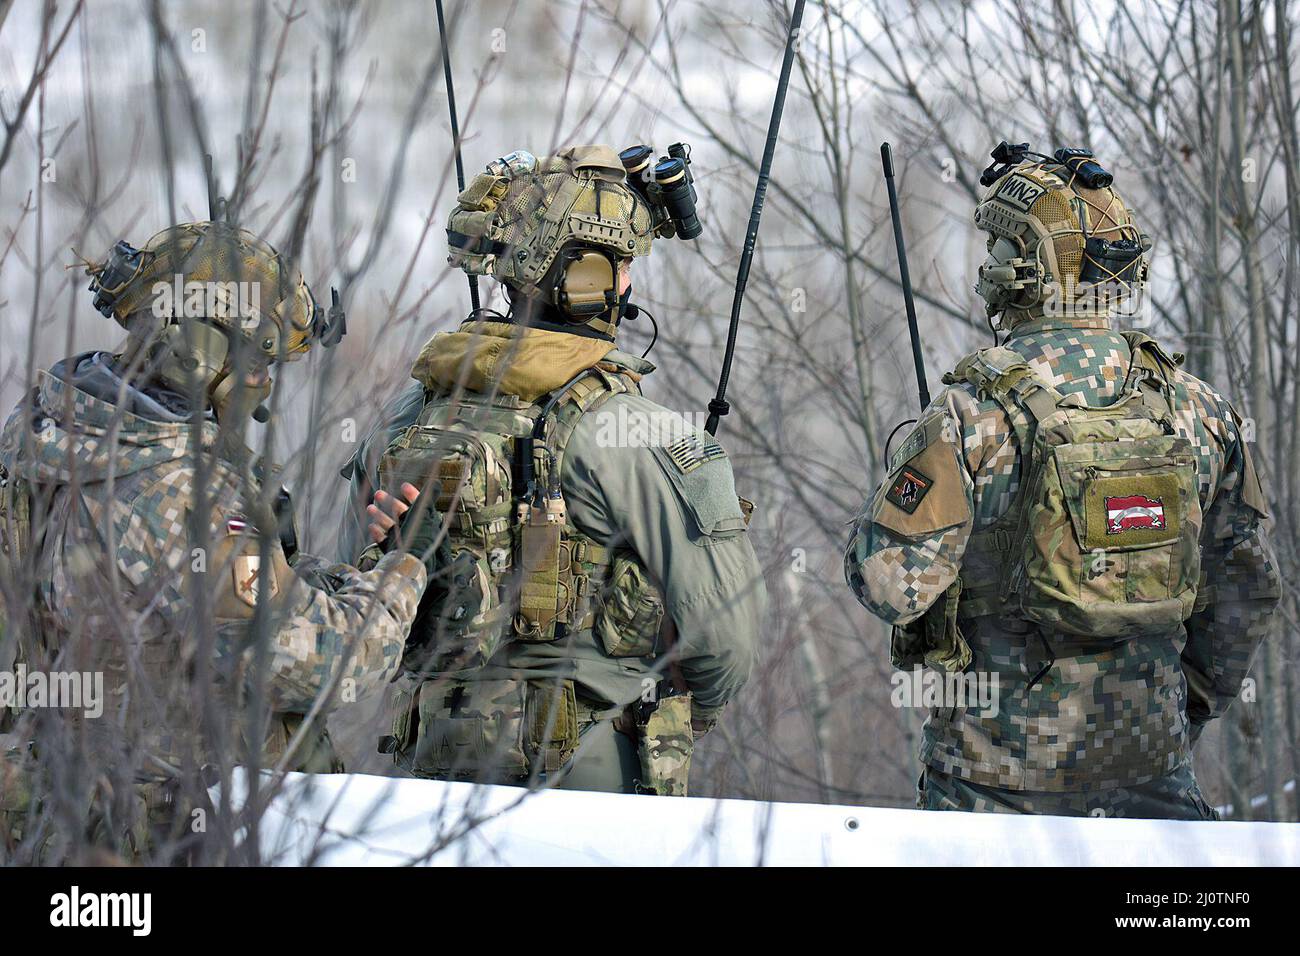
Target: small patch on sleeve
247,571
908,488
698,470
238,524
925,492
694,450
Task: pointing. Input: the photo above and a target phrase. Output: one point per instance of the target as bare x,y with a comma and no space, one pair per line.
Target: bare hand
387,509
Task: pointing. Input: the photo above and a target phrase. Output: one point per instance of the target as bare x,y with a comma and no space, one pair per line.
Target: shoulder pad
1151,353
1252,488
984,367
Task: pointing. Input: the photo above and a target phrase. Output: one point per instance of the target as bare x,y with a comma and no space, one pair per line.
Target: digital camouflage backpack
1102,539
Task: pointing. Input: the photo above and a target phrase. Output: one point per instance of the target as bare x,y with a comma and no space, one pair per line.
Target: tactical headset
582,288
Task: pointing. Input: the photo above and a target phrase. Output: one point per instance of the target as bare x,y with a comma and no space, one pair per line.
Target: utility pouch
405,720
933,639
542,566
551,709
665,743
491,729
458,625
470,729
630,610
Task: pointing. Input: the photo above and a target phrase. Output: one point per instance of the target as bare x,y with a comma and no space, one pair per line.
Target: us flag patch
692,451
1134,512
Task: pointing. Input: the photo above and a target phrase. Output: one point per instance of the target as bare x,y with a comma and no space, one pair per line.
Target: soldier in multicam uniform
1075,518
133,507
603,601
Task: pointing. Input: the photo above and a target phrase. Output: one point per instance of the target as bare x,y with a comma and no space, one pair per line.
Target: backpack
1102,539
517,569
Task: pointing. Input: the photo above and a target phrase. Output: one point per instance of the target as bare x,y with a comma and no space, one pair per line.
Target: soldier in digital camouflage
148,534
1076,518
600,602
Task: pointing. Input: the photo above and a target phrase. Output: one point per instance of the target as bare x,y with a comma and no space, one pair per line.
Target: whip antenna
718,405
455,132
923,390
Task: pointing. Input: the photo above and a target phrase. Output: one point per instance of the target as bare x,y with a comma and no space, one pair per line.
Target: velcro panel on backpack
1131,511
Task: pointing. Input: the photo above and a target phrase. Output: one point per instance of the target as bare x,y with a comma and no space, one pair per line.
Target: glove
419,532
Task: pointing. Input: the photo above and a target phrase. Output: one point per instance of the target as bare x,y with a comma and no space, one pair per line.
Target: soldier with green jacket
1075,521
146,535
600,601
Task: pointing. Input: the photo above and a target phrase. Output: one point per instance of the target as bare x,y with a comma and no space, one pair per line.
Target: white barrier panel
360,820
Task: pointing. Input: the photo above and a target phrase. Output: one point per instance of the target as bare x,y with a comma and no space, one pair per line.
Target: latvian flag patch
1134,512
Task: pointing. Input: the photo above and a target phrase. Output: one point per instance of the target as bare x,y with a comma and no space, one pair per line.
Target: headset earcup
587,286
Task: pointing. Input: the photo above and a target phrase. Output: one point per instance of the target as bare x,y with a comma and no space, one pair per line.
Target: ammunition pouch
486,730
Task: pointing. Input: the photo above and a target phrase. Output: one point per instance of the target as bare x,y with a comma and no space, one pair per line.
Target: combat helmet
206,297
1061,240
555,229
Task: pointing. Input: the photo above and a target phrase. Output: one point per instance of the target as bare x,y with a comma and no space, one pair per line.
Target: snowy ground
355,819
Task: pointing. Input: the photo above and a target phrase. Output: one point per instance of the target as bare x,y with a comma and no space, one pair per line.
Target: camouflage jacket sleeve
1240,588
363,469
680,515
907,544
348,624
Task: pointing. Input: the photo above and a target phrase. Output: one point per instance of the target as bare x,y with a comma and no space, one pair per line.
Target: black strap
475,245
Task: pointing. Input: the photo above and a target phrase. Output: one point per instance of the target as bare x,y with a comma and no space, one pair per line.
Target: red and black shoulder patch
908,488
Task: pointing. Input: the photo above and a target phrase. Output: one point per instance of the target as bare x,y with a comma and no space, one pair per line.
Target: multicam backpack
519,570
1103,537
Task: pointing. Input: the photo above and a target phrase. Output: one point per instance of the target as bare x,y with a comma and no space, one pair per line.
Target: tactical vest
1102,538
518,570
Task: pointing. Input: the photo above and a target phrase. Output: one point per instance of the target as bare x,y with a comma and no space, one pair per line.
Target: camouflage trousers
1174,797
